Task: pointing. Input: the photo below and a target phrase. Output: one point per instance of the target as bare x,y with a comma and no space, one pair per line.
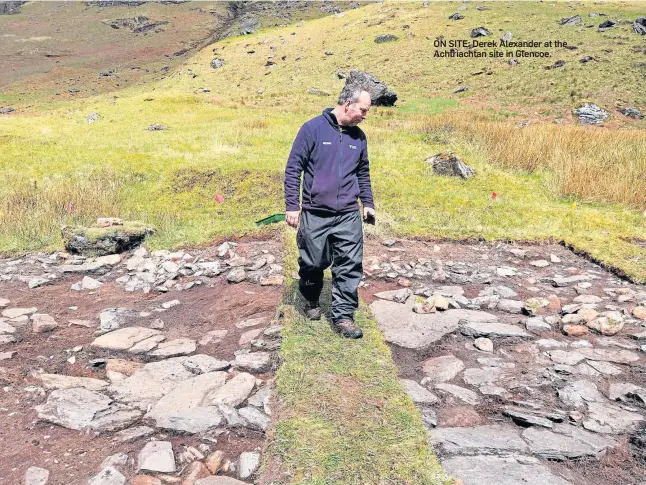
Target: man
331,153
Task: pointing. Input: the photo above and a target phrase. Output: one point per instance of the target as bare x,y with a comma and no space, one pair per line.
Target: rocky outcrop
381,94
447,163
100,241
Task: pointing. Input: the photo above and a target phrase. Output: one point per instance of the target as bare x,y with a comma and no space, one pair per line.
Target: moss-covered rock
100,241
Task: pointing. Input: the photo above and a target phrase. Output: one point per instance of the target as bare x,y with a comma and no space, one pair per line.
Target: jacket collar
328,114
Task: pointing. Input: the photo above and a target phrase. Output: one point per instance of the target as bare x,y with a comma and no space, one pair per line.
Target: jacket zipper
338,188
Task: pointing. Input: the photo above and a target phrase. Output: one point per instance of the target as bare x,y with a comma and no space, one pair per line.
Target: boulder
381,39
449,164
10,8
590,114
632,112
479,32
576,19
100,241
380,93
639,26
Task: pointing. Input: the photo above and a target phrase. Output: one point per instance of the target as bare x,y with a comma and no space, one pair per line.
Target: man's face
357,112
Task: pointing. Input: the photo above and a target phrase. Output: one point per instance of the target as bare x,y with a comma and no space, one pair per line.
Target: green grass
343,418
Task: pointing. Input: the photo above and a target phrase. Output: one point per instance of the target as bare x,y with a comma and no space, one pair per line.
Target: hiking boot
348,329
313,310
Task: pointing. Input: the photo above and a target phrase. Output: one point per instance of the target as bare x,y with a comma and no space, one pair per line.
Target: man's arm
363,176
298,158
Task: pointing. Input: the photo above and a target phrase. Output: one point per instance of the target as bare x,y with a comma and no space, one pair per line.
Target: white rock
36,476
170,304
248,464
57,381
484,344
123,338
17,312
235,391
87,283
42,322
442,369
157,456
172,348
419,394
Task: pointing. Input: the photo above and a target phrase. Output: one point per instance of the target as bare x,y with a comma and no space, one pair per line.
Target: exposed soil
74,456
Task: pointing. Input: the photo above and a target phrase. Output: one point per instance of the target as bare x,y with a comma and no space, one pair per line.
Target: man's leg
347,269
315,254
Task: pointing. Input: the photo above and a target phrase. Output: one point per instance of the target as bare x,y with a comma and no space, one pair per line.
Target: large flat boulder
480,440
488,470
401,326
80,409
123,338
101,241
568,443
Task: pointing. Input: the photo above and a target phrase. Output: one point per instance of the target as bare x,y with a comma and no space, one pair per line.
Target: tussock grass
343,417
593,164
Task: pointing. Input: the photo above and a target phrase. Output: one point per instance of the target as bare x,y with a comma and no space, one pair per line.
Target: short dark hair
351,93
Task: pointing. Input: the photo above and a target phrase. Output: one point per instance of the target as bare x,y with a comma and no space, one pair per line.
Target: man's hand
368,215
292,217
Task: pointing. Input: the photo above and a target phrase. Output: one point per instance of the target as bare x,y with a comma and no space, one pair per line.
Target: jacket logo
327,143
354,147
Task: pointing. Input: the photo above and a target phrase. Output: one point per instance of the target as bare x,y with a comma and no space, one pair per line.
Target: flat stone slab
174,348
253,362
606,418
221,480
80,409
442,369
157,456
18,312
419,394
190,393
493,329
36,476
606,355
488,470
567,443
146,386
108,476
123,338
193,420
58,381
466,395
234,392
401,326
480,440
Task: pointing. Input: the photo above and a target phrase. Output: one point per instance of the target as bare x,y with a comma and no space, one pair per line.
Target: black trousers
335,240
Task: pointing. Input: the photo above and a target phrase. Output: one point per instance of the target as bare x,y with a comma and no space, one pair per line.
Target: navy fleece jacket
334,162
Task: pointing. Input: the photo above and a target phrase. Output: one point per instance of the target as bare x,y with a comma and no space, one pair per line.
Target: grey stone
403,327
42,322
510,306
36,476
577,394
114,318
625,391
232,417
550,343
609,419
176,405
398,296
429,418
87,283
146,386
442,369
489,439
484,344
58,381
7,339
492,329
567,443
201,364
5,327
234,392
461,393
132,434
537,324
108,476
116,460
38,282
605,368
569,280
526,419
236,275
248,463
80,409
380,93
173,348
605,355
157,456
123,338
419,394
449,164
591,114
487,375
256,419
146,345
191,420
253,362
565,357
487,470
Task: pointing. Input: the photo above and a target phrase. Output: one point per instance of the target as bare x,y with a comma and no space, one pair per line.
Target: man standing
331,153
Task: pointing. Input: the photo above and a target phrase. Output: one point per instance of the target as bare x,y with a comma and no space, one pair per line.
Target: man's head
353,105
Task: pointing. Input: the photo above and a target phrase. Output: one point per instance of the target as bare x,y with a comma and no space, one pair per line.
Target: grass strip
343,417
